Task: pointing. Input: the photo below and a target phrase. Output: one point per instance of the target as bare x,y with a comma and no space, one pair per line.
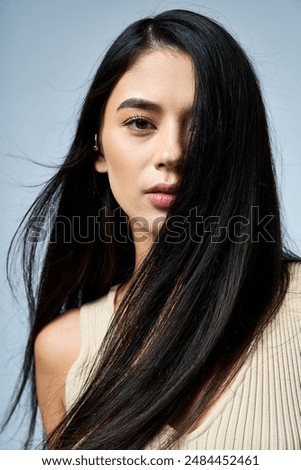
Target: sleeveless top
260,410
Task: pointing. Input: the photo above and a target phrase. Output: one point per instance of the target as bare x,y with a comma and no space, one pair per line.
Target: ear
100,164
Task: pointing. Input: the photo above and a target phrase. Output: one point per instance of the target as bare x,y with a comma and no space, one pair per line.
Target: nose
169,150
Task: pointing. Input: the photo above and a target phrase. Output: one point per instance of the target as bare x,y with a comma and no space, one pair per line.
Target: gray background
49,52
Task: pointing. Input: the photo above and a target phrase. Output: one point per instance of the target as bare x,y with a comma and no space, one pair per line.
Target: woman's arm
56,348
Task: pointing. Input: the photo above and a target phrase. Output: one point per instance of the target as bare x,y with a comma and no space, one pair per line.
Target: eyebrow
140,103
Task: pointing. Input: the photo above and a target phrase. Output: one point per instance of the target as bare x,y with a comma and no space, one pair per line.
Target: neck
143,241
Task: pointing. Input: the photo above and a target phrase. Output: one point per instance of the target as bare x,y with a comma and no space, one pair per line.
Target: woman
166,312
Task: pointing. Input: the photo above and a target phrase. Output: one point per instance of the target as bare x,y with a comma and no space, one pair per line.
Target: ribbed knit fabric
262,407
94,323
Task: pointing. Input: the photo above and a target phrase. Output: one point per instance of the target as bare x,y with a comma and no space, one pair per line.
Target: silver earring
95,147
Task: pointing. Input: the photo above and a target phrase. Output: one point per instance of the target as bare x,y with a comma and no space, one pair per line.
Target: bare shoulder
59,342
56,348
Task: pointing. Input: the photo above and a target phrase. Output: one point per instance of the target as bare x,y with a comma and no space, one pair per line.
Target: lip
161,195
162,188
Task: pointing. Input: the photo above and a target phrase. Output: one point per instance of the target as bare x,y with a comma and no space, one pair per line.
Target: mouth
161,195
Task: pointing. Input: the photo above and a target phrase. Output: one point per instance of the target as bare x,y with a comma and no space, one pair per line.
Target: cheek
121,171
115,149
124,160
110,146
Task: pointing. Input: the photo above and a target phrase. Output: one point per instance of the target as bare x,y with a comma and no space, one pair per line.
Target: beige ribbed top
261,409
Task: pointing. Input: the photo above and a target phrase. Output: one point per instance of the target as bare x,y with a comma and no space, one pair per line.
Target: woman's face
144,131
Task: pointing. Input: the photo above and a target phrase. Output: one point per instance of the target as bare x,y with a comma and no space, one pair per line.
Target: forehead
162,76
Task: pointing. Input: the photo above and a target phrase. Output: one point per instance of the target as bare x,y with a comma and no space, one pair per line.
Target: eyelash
136,118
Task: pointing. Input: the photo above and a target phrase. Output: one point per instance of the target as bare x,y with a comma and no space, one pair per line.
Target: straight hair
200,300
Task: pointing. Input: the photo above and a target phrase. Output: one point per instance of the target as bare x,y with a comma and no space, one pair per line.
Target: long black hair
210,283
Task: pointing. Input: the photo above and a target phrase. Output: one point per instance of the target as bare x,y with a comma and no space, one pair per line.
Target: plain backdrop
49,51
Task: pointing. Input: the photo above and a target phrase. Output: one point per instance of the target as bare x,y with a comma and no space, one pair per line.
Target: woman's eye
139,124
